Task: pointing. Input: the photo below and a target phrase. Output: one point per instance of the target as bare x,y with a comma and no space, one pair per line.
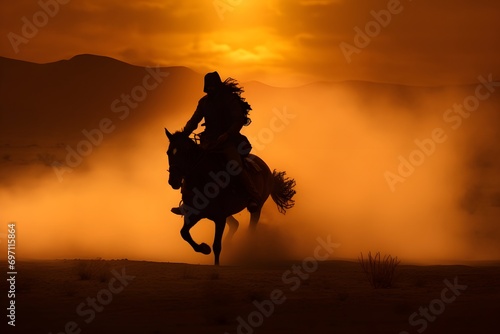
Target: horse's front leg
220,224
189,222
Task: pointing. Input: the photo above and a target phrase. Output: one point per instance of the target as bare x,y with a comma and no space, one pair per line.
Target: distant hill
53,102
45,107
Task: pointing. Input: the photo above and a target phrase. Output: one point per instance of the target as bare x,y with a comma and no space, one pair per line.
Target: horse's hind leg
220,224
233,225
254,219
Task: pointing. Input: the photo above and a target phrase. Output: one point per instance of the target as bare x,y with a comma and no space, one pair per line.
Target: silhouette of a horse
210,188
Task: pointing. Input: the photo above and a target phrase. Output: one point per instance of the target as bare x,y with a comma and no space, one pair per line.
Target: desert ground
122,296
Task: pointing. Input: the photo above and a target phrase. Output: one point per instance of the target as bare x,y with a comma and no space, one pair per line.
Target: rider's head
212,82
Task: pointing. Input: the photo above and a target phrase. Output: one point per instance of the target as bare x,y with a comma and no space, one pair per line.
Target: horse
210,188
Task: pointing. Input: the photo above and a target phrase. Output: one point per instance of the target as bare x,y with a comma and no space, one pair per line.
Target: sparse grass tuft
93,269
379,271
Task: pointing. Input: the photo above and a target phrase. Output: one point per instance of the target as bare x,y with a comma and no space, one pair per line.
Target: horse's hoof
204,249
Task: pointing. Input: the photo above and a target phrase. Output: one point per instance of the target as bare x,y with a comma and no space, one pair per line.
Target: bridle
185,170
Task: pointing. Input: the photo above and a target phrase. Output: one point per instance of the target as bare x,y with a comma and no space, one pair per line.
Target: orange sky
276,41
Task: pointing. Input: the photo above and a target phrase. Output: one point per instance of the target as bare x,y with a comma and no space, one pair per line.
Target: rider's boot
180,210
177,211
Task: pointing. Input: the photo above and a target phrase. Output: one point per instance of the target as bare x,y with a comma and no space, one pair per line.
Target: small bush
93,269
380,271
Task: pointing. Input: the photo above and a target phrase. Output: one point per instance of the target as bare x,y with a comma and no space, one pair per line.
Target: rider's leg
180,210
254,201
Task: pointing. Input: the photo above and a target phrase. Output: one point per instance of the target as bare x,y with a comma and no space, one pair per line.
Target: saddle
250,164
240,141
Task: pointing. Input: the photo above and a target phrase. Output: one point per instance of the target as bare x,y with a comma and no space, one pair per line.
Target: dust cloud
338,141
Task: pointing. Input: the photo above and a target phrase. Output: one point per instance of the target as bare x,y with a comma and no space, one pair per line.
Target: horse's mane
232,86
181,137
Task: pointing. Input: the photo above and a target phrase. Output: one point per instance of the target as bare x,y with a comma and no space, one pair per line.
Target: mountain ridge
93,59
50,104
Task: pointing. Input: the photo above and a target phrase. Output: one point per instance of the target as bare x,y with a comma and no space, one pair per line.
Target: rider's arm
198,115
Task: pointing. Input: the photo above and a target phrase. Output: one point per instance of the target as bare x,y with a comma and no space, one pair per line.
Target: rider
222,109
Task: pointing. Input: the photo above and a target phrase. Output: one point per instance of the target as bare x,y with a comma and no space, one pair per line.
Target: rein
186,169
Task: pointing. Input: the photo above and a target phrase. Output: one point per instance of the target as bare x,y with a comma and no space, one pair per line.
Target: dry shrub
380,271
94,269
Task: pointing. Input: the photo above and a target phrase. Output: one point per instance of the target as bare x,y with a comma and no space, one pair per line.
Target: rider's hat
212,79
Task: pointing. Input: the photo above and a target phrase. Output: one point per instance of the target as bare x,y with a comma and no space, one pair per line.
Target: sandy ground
97,296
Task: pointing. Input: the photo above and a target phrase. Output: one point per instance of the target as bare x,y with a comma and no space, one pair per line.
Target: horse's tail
282,191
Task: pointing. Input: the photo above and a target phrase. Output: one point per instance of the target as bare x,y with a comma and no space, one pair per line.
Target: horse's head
181,152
